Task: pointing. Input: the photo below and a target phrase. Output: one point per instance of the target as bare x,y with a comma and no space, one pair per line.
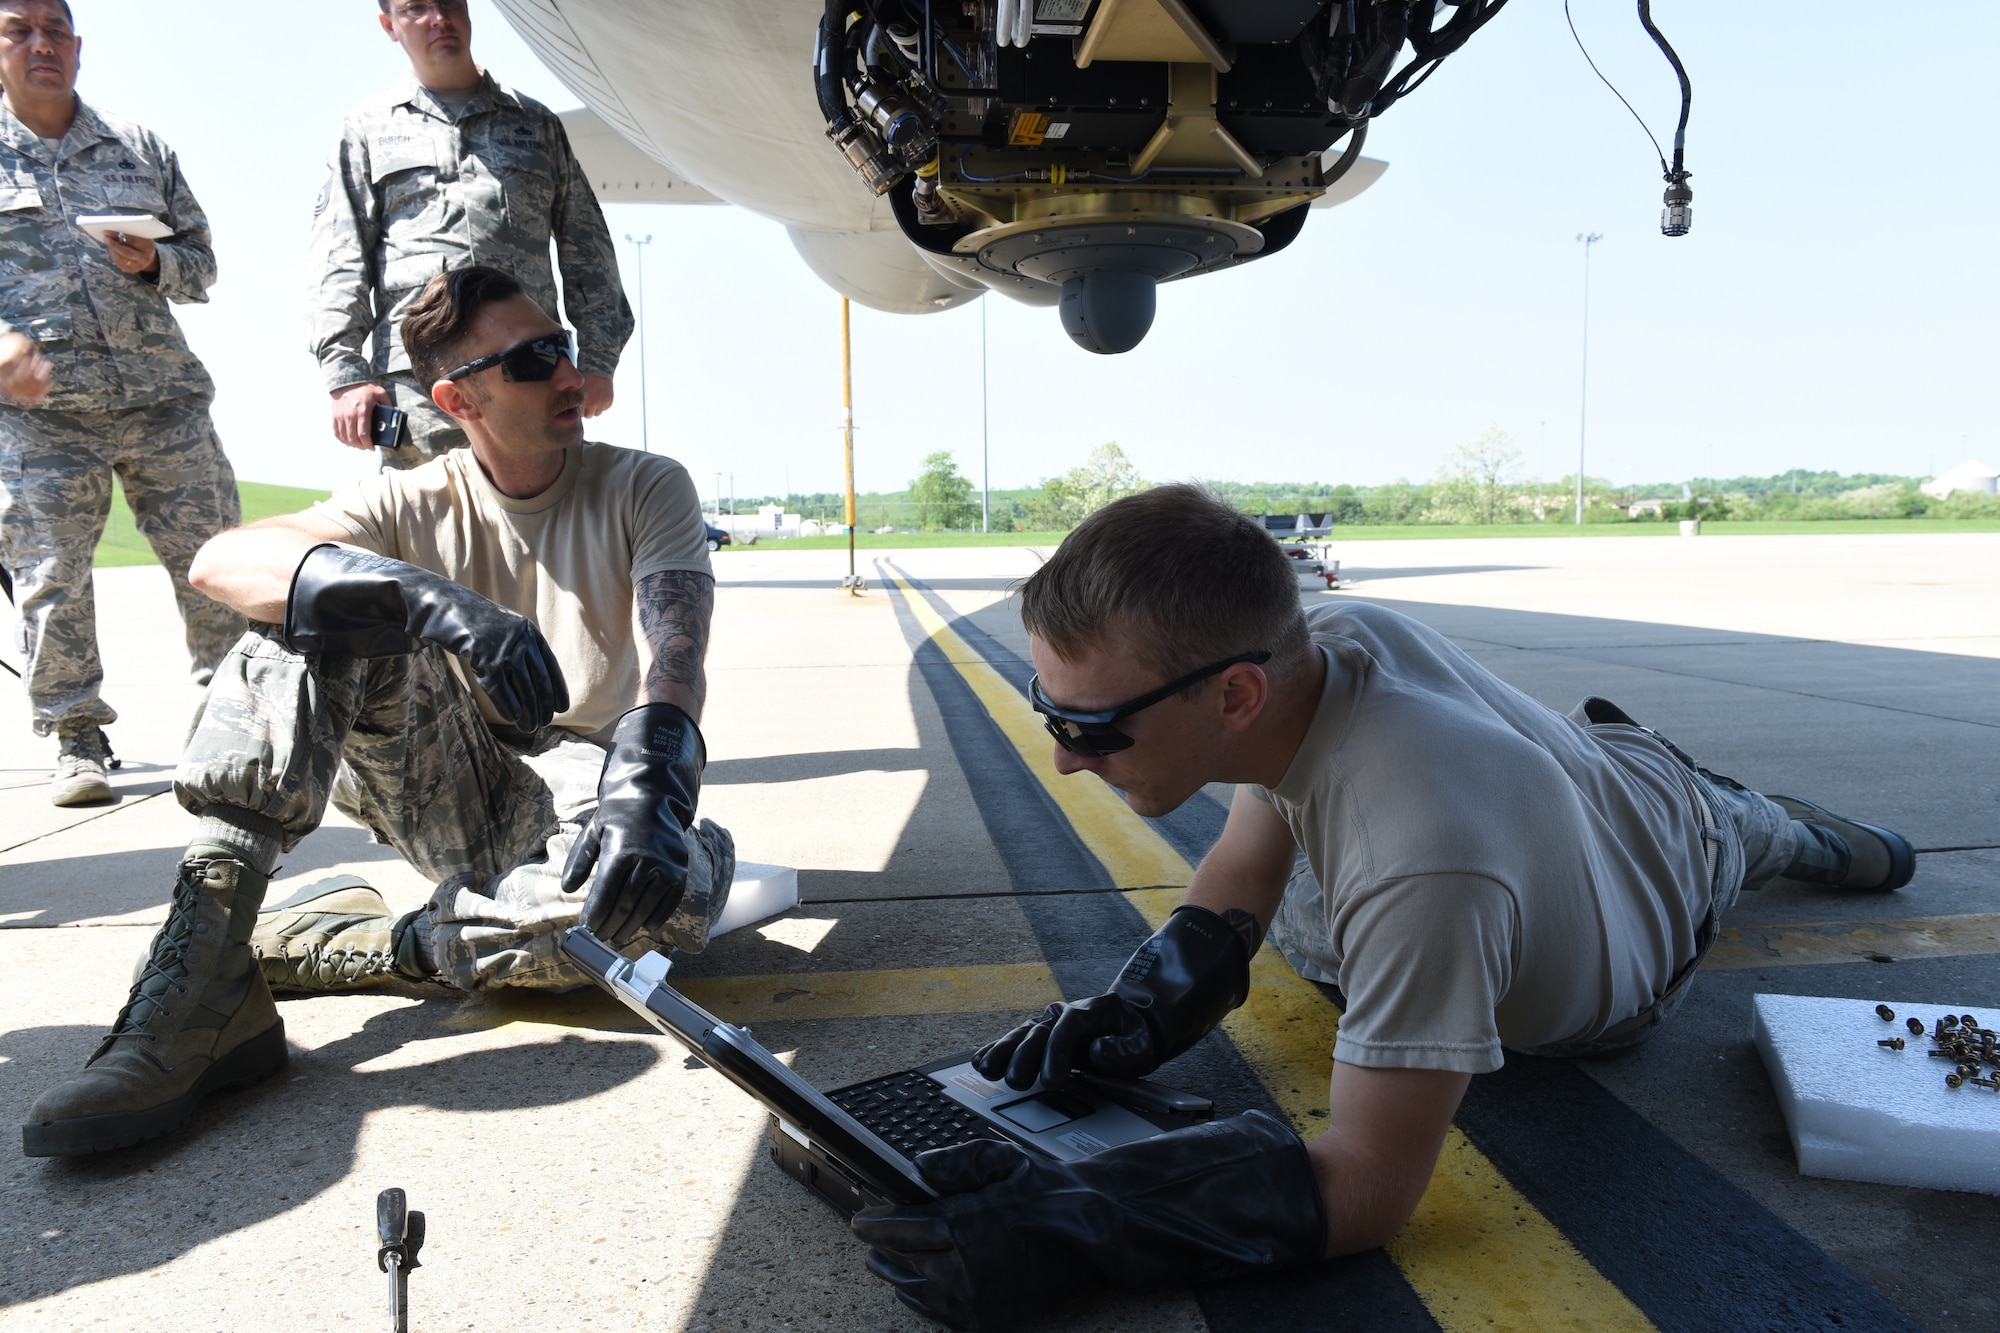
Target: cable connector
1677,218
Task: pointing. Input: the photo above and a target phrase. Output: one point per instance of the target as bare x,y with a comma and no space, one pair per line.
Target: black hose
1687,92
830,60
1352,153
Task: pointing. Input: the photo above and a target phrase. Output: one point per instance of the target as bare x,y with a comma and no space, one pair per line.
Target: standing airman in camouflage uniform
96,379
446,168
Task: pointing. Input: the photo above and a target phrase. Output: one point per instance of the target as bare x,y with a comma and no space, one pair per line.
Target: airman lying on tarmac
1485,874
527,559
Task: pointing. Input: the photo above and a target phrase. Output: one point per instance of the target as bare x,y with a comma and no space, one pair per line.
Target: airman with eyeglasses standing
96,380
445,168
447,654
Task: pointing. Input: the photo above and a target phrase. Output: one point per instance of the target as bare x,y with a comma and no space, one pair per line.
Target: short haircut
63,5
434,329
1185,579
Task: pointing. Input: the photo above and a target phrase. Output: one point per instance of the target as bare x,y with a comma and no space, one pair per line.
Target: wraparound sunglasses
1092,734
530,362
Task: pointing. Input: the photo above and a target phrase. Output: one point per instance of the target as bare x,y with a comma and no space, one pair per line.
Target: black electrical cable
1687,92
1352,154
1431,49
830,60
1621,96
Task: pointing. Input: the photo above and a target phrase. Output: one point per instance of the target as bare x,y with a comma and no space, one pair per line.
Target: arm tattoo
675,607
1246,928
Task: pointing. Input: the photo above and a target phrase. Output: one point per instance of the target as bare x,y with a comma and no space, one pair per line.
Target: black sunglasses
530,362
1092,734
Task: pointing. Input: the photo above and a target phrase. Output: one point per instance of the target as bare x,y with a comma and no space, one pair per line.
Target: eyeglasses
1092,734
531,362
419,11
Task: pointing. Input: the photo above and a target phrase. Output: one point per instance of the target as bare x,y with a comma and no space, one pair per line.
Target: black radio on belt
387,425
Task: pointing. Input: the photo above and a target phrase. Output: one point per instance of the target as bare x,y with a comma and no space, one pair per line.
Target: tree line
1479,483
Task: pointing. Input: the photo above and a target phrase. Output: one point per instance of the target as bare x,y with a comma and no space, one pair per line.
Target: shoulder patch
325,195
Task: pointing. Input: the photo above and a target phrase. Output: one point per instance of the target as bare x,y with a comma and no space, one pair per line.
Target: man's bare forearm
1243,876
250,569
675,608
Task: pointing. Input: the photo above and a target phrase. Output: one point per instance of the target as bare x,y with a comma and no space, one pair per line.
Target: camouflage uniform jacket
414,190
109,335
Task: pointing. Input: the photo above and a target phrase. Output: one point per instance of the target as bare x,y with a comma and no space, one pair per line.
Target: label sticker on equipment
1082,1142
1061,11
1027,129
1056,130
976,1085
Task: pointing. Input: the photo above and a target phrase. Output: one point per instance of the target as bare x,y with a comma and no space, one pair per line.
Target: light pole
854,583
985,473
645,435
1583,407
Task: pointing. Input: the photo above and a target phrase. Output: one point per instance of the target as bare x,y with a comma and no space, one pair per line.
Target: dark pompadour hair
1180,576
436,324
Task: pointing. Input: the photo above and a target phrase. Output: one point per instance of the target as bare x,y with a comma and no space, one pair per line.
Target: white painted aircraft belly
722,92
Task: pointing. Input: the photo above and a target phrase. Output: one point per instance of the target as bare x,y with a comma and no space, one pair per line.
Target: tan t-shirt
567,559
1494,874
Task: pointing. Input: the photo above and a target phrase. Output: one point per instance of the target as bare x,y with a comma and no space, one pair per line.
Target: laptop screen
732,1052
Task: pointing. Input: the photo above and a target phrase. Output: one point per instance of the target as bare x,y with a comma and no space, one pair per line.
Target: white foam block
758,893
1859,1111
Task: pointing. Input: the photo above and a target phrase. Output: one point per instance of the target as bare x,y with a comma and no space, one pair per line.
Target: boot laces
86,747
167,963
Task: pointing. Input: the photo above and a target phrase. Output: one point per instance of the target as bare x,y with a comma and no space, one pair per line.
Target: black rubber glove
637,839
355,603
1015,1232
1177,986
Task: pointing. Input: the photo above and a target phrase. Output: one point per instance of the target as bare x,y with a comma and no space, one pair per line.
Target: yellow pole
852,582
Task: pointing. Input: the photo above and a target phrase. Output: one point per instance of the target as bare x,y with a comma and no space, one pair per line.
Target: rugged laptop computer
855,1146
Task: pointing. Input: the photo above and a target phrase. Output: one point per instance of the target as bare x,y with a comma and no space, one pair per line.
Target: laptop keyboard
911,1113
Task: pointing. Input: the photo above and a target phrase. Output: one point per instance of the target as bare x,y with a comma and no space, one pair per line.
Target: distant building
1970,475
768,521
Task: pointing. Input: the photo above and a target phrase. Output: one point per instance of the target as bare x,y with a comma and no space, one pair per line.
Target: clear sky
1834,307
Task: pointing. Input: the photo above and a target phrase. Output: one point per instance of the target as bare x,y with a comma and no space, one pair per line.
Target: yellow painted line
1815,942
1477,1253
794,997
889,993
1130,849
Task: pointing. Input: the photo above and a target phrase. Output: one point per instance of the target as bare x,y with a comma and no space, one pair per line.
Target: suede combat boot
199,1019
83,766
334,934
1845,853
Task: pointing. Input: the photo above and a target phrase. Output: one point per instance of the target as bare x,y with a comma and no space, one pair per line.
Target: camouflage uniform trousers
398,744
428,430
55,493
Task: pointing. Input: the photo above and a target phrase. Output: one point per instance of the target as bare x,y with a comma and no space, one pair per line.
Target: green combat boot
83,766
333,934
199,1019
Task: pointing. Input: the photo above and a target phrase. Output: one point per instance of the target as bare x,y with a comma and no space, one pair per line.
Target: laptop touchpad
1044,1112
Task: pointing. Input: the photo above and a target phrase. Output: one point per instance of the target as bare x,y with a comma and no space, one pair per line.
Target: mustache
568,399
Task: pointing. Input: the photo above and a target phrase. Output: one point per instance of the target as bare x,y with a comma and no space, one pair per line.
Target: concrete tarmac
579,1171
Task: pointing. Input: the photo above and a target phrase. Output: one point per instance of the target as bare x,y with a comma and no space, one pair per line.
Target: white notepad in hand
98,226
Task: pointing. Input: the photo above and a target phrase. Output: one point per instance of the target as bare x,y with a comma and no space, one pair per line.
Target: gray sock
253,836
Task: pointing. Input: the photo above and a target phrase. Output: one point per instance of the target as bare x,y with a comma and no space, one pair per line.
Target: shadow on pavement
252,1155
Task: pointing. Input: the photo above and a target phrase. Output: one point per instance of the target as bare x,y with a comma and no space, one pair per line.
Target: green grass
122,544
868,541
903,541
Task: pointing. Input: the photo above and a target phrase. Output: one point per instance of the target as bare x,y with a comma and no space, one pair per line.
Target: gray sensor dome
1108,311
